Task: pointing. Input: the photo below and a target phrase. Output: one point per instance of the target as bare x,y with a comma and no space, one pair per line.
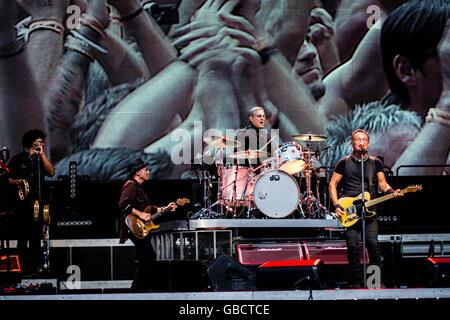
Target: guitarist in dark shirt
134,200
348,173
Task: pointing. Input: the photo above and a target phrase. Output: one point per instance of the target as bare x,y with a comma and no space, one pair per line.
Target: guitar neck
382,199
163,211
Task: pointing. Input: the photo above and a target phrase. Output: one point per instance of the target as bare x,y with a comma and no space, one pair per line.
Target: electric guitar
353,205
141,228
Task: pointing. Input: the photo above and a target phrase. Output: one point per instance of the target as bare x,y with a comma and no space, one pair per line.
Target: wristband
132,15
266,53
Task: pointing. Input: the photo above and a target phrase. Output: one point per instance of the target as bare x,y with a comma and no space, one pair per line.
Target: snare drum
270,164
276,194
290,158
242,178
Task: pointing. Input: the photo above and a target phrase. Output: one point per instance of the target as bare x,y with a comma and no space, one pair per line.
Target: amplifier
14,263
330,252
257,254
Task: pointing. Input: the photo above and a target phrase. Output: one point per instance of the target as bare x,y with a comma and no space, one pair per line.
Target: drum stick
267,144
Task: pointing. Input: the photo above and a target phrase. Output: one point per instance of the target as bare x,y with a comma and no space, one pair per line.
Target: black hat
135,165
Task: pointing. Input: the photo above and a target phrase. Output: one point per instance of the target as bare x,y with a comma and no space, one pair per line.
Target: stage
327,295
88,240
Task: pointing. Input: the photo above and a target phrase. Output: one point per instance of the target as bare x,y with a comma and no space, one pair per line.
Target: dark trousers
353,248
29,235
146,258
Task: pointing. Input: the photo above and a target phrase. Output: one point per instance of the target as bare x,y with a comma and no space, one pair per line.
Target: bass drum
276,194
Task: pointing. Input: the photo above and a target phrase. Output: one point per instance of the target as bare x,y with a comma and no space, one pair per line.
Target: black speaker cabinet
227,274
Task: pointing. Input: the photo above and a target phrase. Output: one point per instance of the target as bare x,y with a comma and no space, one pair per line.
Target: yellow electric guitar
353,205
141,228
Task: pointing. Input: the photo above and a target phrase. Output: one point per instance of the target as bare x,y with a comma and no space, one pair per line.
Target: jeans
353,248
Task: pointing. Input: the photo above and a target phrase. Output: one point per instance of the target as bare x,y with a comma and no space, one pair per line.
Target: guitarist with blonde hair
347,174
134,201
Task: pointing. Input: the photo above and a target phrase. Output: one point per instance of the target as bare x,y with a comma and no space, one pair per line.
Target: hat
135,165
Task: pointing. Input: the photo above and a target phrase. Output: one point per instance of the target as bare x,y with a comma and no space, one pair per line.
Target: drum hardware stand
206,179
234,201
248,201
313,206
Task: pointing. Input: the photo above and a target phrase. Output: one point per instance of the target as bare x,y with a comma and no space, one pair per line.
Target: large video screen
196,85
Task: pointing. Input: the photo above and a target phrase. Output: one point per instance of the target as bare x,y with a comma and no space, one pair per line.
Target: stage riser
94,213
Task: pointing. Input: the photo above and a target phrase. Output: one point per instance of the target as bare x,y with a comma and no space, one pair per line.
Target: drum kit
273,187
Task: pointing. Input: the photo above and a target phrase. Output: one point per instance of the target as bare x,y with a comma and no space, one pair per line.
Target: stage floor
325,295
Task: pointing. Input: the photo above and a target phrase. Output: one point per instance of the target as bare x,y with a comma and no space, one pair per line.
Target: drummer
255,139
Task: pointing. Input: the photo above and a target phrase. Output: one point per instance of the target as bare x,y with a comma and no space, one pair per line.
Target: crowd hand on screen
321,26
248,68
205,23
200,49
125,8
234,32
98,9
47,9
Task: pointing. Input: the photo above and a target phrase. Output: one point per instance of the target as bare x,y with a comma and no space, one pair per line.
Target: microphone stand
363,221
45,246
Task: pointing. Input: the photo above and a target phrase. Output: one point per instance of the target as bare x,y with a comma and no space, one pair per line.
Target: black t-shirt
4,174
350,168
252,138
25,166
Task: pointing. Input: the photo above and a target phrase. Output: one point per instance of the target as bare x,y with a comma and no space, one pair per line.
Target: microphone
36,147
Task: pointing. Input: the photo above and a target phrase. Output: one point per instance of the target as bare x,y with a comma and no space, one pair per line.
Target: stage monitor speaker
227,274
257,254
290,274
438,272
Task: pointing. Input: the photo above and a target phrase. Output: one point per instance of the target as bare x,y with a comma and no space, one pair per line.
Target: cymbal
221,142
310,137
249,154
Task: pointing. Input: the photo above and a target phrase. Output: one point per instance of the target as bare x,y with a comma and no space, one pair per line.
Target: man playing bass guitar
134,200
348,173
